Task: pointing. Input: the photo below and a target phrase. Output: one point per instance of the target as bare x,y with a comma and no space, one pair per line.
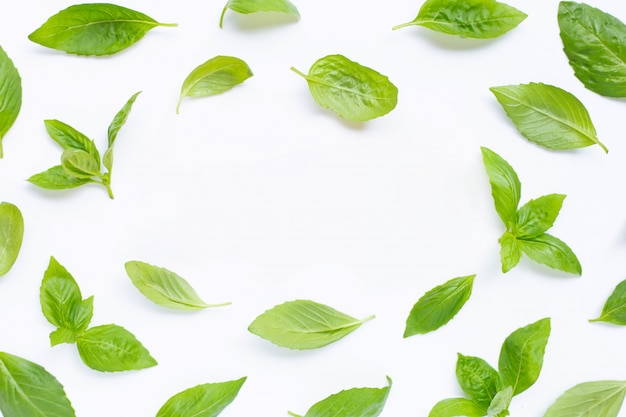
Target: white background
258,196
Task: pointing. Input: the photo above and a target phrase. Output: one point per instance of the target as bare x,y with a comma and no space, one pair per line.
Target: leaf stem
372,317
292,414
109,190
403,25
219,305
303,75
222,15
169,25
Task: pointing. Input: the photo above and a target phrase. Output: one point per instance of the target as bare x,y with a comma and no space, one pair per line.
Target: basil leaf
94,29
454,407
27,389
10,95
439,305
510,251
480,19
215,76
505,185
355,402
56,178
254,6
521,356
477,379
118,121
614,310
164,287
595,44
499,407
551,251
353,91
70,138
590,399
11,235
537,216
111,348
304,324
548,115
207,400
79,164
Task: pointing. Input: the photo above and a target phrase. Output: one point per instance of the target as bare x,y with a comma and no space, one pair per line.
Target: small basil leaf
480,19
548,115
215,76
353,91
27,389
56,178
304,324
439,305
70,138
477,379
499,407
551,251
254,6
455,407
11,235
614,310
510,252
521,355
537,216
206,400
94,29
10,95
590,399
595,44
118,121
62,335
164,287
111,348
505,185
79,164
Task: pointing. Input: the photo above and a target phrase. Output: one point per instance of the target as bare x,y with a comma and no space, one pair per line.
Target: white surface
259,196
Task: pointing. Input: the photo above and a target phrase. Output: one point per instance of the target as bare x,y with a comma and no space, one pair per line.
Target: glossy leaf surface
537,216
114,128
255,6
614,310
206,400
10,95
56,178
70,138
478,380
506,188
510,251
11,235
553,252
455,407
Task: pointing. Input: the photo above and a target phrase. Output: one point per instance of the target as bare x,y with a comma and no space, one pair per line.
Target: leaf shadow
258,21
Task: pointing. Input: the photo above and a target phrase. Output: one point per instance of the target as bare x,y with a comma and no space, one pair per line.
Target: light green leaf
94,29
304,324
11,234
505,185
551,251
10,95
118,121
70,138
521,356
499,406
164,287
455,407
56,178
207,400
595,44
548,115
439,305
537,216
480,19
215,76
79,164
111,348
510,252
254,6
590,399
478,380
614,310
28,390
353,91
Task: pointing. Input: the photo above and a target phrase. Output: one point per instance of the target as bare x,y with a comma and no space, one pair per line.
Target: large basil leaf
510,251
455,407
114,128
481,19
94,29
595,44
70,138
439,305
254,6
551,251
521,355
11,235
548,115
590,399
10,95
207,400
614,310
56,178
353,91
537,216
506,188
28,390
304,324
477,379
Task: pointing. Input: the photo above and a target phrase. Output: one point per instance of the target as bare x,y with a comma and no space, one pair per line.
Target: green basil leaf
79,164
215,76
548,115
595,44
254,6
439,305
521,356
56,178
353,91
70,138
10,95
111,348
551,251
499,407
454,407
510,252
304,324
207,400
164,287
477,379
614,310
506,188
590,399
355,402
480,19
94,29
118,121
11,234
28,390
537,216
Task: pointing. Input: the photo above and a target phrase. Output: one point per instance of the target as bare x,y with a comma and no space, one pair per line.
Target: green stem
1,151
219,305
109,190
403,25
169,25
293,414
372,317
303,75
222,15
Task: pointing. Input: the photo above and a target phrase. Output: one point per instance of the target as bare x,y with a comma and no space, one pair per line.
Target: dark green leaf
537,216
505,186
57,179
79,164
118,121
254,6
207,400
70,138
10,95
478,380
549,250
510,252
11,234
455,407
614,310
590,399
